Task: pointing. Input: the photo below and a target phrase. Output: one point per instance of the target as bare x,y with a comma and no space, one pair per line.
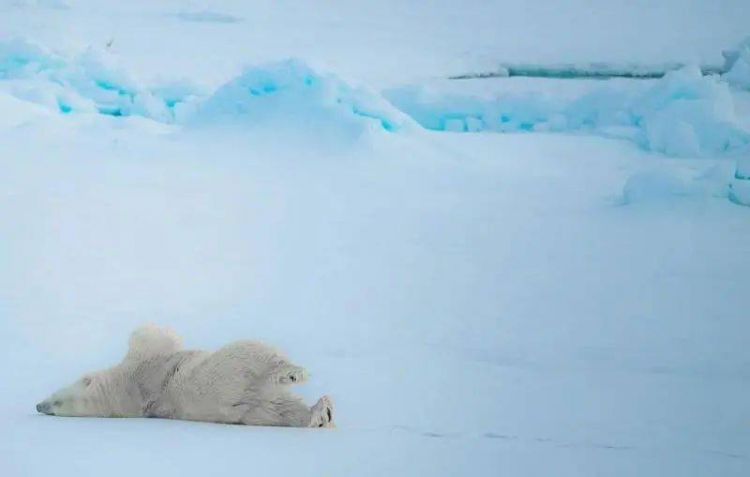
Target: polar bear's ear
150,340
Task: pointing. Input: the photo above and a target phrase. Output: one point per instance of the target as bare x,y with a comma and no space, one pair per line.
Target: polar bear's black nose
43,407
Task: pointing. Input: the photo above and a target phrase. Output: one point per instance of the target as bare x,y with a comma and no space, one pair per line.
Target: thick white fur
246,382
150,340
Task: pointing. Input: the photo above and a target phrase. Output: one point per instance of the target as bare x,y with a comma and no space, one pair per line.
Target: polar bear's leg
271,365
281,410
252,359
322,413
287,410
262,361
286,373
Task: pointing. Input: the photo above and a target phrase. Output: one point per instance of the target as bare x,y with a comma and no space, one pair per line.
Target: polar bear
246,382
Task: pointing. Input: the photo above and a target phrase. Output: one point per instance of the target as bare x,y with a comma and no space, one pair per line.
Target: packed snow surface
568,298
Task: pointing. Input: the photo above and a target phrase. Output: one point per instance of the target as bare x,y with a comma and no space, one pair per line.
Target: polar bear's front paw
322,413
289,374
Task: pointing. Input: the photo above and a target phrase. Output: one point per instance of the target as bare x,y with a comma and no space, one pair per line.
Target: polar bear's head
112,392
85,397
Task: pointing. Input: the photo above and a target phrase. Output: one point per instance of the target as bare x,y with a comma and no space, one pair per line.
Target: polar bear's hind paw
322,413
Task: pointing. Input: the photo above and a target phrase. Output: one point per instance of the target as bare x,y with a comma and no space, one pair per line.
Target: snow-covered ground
561,299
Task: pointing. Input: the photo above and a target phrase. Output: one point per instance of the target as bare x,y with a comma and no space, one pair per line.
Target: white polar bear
246,382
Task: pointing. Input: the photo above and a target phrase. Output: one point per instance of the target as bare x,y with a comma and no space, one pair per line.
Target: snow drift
664,184
293,92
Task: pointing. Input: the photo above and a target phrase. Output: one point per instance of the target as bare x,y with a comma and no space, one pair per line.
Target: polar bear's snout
44,407
49,406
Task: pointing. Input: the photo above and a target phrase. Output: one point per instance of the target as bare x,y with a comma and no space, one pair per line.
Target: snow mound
293,92
682,114
737,65
665,184
91,82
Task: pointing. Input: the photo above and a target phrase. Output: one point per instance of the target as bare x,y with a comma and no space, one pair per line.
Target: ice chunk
89,82
682,114
19,59
737,65
687,114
